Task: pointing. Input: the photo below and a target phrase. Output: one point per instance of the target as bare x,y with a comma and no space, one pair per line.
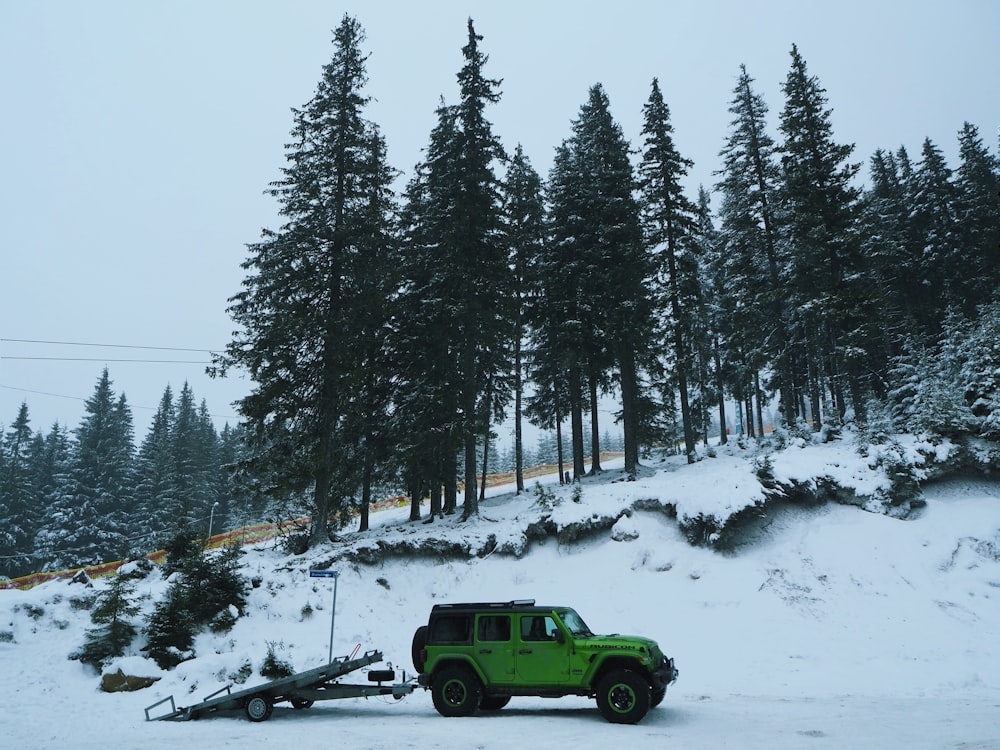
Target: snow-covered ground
831,627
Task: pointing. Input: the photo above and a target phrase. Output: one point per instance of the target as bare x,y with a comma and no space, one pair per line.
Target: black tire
417,648
493,702
456,691
301,703
623,696
657,697
258,708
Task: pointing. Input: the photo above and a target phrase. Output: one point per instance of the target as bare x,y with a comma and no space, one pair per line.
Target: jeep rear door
541,659
495,648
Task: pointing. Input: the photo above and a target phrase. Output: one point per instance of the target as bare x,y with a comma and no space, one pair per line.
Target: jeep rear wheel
623,696
456,691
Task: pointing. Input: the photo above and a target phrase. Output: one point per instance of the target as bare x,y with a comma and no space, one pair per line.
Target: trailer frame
301,690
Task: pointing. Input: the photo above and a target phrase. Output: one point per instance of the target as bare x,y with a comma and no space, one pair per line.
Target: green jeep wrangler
476,656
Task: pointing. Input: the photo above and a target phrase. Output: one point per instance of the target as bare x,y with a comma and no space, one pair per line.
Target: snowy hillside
823,626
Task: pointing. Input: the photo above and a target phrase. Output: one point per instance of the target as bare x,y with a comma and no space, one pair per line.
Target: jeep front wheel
456,691
623,696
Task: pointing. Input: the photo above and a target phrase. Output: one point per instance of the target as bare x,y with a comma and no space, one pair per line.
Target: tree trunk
450,484
629,419
595,436
366,491
518,436
435,501
723,437
559,447
415,496
486,456
576,422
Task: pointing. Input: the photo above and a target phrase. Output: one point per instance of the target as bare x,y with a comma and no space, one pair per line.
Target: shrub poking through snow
209,590
112,614
274,667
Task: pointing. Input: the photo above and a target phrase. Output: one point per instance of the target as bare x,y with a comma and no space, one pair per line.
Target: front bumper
665,674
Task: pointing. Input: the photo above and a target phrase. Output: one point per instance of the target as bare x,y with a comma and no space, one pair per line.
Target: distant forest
388,334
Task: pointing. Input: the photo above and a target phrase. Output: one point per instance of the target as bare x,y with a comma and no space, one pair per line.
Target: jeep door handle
525,651
486,651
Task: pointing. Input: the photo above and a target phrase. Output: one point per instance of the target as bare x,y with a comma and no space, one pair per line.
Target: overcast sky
137,138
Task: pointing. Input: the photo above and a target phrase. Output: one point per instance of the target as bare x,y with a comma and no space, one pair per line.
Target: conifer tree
155,473
977,181
597,313
483,319
827,279
934,221
524,226
297,337
91,523
668,223
754,269
18,507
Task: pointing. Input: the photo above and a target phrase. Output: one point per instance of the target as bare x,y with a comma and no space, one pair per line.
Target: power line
105,359
109,346
77,398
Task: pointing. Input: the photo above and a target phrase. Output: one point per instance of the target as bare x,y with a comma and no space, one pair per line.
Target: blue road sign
323,573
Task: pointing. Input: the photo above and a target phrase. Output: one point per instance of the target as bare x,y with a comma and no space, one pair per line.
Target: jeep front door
541,658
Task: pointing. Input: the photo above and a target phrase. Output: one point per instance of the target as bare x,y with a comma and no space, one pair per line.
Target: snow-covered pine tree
296,315
18,500
484,315
752,268
94,524
524,229
597,309
977,180
827,280
113,611
934,221
157,512
668,218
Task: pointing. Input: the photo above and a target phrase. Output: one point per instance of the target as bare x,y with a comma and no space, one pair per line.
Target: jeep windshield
575,624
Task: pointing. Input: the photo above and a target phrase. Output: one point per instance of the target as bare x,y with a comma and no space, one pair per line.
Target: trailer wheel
623,696
456,691
417,648
258,708
301,703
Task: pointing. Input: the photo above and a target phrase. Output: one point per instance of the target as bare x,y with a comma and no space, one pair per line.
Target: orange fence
258,533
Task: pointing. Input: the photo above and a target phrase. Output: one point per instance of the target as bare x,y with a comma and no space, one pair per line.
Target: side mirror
559,636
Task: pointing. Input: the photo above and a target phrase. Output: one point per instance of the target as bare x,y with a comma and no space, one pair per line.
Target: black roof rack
487,605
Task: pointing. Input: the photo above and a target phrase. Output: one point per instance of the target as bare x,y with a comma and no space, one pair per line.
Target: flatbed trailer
301,690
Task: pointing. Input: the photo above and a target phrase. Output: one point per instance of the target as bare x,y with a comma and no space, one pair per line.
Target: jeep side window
494,628
451,629
537,628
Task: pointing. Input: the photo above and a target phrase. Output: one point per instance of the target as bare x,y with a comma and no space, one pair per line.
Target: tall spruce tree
427,420
18,508
827,279
599,312
935,222
297,312
481,270
524,227
454,321
755,269
155,474
668,222
977,180
93,524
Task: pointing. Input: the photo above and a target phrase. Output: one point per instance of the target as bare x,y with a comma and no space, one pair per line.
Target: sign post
333,610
